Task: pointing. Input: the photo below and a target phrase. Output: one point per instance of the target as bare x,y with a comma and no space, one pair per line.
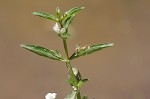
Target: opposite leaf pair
55,55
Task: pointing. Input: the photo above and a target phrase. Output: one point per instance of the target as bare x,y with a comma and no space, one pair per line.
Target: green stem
67,60
68,64
66,49
78,95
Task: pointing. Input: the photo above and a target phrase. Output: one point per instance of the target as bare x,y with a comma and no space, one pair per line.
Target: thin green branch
70,70
66,49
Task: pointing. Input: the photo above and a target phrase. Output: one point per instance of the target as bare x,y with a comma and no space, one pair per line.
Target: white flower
58,30
51,96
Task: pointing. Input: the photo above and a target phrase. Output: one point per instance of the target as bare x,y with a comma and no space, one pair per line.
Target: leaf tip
34,13
111,44
22,45
82,7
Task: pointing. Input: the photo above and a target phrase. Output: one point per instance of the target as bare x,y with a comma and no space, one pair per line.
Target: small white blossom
56,28
51,96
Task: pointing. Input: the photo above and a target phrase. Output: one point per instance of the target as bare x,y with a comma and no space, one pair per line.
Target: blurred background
119,72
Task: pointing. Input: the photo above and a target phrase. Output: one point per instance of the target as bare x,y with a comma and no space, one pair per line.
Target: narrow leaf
43,52
74,11
81,82
82,51
71,12
72,82
66,22
45,15
77,74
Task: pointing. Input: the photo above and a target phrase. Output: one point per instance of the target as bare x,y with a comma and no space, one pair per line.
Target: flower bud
63,30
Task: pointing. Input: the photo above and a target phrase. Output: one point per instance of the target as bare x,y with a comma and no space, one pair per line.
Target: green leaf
45,15
84,97
72,82
71,12
77,74
55,55
81,82
82,51
66,22
72,95
74,11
